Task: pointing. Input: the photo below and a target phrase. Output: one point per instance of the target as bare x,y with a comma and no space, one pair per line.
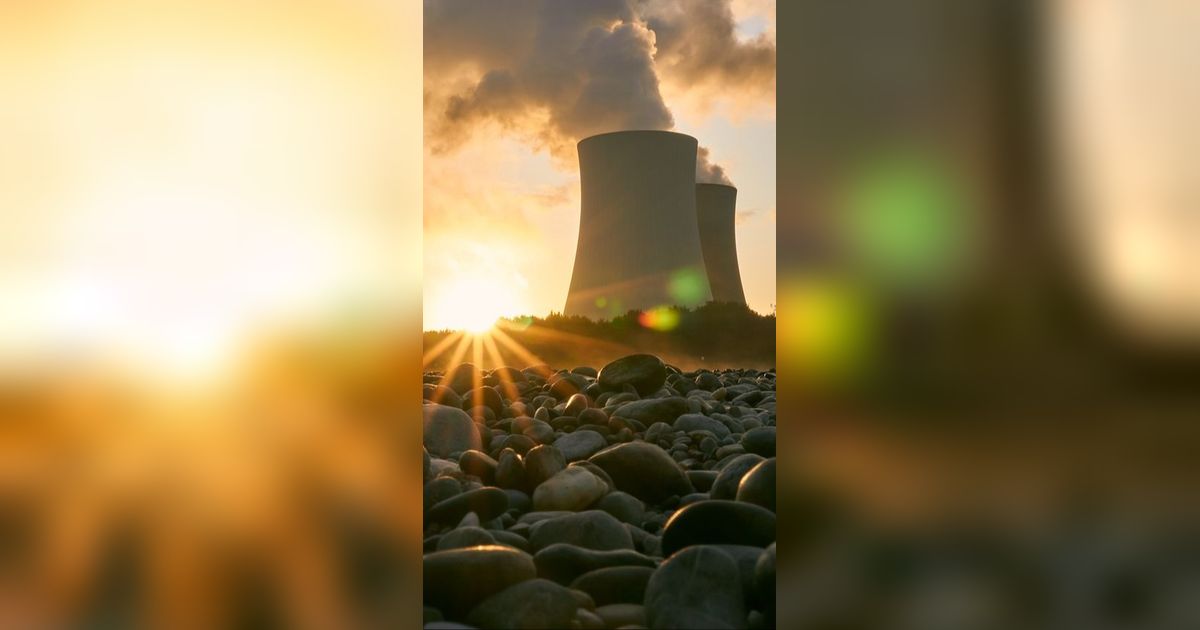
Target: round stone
760,441
510,470
708,381
567,385
623,616
726,484
565,424
615,585
658,431
692,589
570,489
465,537
518,501
563,563
643,470
535,603
592,415
575,405
702,480
645,372
588,620
518,424
595,470
442,395
718,523
746,558
540,432
444,468
484,397
448,430
488,503
681,384
519,443
504,537
729,449
758,485
463,377
591,529
439,490
700,422
580,444
653,410
454,581
479,464
542,463
624,506
509,374
534,517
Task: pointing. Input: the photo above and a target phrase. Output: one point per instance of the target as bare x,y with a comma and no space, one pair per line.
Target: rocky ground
636,497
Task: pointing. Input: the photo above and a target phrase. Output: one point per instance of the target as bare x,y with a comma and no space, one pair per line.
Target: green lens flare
906,219
688,287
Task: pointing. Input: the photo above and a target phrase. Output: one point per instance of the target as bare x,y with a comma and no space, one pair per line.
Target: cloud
582,68
700,53
744,216
551,72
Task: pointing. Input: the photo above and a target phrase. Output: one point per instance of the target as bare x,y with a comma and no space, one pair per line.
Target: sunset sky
508,93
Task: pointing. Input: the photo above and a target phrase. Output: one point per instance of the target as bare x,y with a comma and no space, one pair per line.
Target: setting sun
471,304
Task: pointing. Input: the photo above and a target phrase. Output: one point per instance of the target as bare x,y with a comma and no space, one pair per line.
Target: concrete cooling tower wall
639,242
715,214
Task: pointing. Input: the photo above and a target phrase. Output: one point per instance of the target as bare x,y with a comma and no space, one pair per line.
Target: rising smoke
551,72
697,45
707,172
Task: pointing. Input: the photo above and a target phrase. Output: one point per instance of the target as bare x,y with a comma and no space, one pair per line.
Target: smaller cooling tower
639,242
715,216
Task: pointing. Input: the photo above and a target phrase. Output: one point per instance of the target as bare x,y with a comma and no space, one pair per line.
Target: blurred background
210,339
990,313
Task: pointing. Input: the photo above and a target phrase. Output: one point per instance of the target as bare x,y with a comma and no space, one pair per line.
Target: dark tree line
713,335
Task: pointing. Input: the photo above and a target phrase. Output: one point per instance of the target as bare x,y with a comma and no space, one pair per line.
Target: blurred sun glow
181,176
210,252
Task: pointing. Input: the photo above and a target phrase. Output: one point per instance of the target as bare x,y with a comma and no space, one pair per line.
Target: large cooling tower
715,215
639,243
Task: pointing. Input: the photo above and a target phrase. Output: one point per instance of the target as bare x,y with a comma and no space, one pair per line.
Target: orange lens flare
663,318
